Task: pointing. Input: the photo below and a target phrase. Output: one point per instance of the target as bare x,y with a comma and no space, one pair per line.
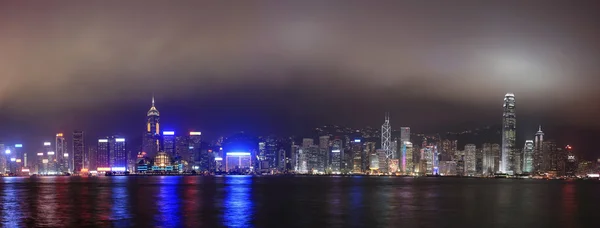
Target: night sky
286,67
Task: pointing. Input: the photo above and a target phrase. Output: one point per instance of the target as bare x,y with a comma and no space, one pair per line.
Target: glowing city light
13,159
59,135
18,160
119,169
357,140
218,159
18,145
120,139
40,154
168,133
103,169
238,154
195,133
336,151
47,143
65,155
103,140
51,153
7,151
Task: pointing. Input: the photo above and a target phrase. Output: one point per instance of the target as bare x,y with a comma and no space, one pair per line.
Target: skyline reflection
238,206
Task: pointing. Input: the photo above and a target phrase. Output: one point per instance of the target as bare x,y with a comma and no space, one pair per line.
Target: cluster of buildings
333,150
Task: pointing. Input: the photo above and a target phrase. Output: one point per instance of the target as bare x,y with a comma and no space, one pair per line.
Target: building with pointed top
538,151
151,142
510,162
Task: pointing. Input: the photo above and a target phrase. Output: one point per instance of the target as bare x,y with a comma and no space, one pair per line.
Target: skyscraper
78,151
118,154
528,151
538,151
488,159
407,160
61,153
337,155
470,159
386,137
404,134
168,143
151,142
103,154
509,131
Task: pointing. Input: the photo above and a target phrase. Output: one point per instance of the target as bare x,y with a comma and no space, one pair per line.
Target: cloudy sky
279,66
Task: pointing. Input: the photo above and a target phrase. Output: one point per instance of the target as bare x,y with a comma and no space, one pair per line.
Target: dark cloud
430,62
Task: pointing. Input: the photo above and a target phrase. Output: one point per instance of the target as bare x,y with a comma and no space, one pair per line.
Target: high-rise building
118,154
357,155
479,161
405,134
470,159
78,151
496,150
509,130
571,162
407,157
324,152
538,152
61,153
337,155
488,159
103,155
528,151
151,137
168,143
195,147
91,158
551,156
386,137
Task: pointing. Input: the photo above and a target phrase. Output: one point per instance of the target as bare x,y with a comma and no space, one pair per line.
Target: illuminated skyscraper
103,154
509,131
357,155
407,160
404,134
195,147
488,159
324,152
118,153
78,151
168,143
151,142
538,152
470,159
528,151
61,153
386,137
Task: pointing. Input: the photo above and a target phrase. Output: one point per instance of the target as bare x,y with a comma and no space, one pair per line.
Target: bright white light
195,133
238,154
119,169
51,153
120,139
44,161
18,145
40,154
47,143
102,169
191,147
168,133
335,151
7,151
65,155
13,159
103,140
218,159
593,175
357,140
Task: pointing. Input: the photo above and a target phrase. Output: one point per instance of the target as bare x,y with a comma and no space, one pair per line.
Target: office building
528,156
151,137
78,151
538,152
509,131
168,143
470,159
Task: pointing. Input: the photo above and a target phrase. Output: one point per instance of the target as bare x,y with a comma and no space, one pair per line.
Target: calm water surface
242,201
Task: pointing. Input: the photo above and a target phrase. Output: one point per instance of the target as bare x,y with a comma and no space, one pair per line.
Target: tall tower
509,132
151,143
61,153
78,151
538,151
528,156
386,137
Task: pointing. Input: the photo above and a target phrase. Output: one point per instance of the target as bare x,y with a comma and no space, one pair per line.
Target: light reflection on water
237,205
243,201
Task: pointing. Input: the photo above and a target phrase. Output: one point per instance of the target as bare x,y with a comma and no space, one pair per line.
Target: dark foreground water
296,202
